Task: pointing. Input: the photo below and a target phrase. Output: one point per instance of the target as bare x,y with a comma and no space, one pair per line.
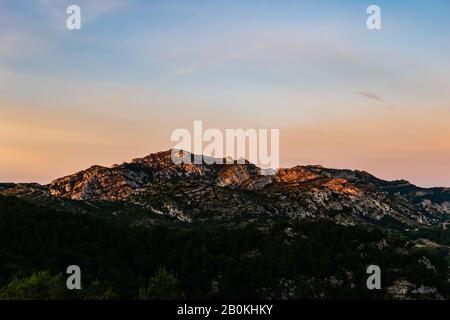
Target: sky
342,96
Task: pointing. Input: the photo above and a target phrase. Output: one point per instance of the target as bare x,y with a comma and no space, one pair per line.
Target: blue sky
342,95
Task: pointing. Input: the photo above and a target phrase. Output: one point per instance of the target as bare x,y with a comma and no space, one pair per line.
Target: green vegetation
39,286
312,259
44,286
163,286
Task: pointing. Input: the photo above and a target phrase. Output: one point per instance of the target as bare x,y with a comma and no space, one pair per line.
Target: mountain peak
185,189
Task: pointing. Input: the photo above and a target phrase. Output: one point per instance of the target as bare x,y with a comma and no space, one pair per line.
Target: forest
314,259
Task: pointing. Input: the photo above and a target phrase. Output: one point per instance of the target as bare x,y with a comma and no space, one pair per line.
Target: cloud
21,37
371,95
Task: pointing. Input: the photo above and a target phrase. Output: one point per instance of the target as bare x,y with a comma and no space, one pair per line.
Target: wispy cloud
372,96
20,36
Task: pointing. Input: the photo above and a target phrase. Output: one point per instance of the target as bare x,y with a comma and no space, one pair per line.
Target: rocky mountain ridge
195,191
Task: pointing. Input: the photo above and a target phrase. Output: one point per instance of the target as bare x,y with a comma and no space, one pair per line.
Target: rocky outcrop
295,175
236,175
32,191
342,185
186,190
119,181
405,290
99,183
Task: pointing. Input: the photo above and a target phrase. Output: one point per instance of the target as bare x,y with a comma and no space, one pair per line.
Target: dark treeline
315,259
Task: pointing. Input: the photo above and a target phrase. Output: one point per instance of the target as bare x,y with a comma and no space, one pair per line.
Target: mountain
236,193
223,232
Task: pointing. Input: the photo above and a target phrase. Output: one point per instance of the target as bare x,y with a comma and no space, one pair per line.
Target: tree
39,286
162,286
96,291
44,286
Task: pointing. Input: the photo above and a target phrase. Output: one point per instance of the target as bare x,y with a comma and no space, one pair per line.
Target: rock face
119,181
237,175
343,186
295,175
99,183
190,190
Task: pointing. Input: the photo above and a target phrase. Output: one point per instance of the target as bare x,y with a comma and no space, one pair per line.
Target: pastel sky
341,95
